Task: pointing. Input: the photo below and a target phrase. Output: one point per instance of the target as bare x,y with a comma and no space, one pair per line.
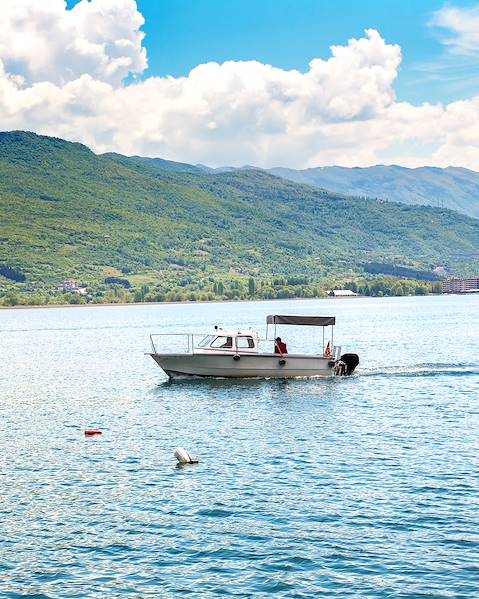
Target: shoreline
183,302
188,302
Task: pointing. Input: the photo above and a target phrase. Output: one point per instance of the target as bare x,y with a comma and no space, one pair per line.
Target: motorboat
234,353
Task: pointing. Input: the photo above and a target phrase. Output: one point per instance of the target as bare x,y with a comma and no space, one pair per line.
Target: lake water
365,486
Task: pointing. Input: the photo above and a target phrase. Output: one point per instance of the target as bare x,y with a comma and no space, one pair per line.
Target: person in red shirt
280,346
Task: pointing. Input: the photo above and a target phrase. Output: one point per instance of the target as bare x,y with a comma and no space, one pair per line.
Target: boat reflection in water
236,353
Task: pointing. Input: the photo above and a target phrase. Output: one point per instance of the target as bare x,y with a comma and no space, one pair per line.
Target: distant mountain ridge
452,187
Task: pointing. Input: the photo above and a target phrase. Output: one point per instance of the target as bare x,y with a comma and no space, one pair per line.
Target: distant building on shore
342,293
470,285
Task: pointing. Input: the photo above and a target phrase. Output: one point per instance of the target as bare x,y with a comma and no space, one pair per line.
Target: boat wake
421,370
416,370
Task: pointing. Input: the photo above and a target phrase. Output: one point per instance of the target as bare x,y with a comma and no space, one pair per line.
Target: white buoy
184,457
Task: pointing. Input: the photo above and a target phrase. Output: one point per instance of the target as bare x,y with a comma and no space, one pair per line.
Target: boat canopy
314,321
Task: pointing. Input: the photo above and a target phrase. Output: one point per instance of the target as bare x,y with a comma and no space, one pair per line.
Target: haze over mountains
67,212
452,187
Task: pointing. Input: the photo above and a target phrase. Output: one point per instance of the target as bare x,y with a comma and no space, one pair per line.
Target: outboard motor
350,361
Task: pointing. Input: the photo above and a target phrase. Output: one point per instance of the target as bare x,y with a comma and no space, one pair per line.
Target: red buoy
92,431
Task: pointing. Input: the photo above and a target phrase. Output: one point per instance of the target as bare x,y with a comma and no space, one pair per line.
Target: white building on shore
342,293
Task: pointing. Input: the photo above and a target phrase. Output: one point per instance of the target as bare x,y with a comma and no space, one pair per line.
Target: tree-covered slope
68,213
452,187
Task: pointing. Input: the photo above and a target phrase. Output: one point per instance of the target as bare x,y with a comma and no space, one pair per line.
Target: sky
295,83
290,33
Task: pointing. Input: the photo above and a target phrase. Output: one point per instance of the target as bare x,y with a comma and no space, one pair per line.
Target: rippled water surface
364,486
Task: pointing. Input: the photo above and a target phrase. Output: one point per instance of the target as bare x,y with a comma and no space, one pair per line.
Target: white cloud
43,41
62,73
461,27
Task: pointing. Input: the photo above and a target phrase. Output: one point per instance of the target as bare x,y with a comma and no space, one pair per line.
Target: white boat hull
244,365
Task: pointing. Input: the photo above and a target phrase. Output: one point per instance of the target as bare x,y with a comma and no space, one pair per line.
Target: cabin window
245,343
226,342
206,341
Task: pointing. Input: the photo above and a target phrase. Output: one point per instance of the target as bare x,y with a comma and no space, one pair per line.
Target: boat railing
267,345
185,343
182,343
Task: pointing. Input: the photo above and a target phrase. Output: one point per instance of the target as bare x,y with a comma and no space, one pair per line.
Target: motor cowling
351,361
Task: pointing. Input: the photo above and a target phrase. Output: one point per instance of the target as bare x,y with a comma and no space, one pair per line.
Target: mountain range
69,213
452,187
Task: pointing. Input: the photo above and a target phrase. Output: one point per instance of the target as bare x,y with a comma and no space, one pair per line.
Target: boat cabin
229,341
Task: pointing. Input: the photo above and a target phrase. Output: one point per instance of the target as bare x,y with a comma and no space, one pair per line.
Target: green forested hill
68,213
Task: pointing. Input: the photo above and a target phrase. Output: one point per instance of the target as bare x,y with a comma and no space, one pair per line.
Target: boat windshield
206,341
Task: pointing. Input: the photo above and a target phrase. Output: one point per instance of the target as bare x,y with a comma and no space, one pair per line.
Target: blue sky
289,33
